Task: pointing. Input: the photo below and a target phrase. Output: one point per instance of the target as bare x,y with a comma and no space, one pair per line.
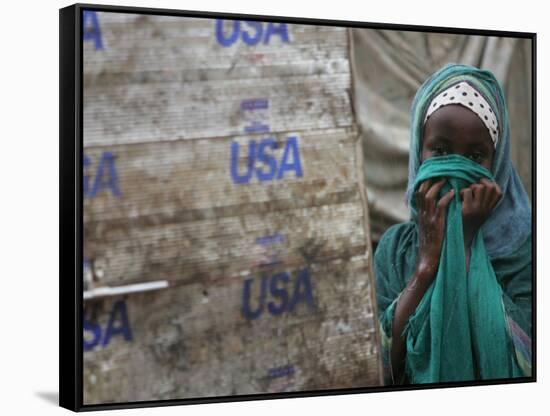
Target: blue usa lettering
90,28
230,31
300,291
255,112
105,178
271,169
118,325
283,371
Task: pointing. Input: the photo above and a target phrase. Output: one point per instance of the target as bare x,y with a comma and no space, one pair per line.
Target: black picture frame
71,203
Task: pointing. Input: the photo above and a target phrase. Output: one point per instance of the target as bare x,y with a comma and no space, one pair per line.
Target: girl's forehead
456,123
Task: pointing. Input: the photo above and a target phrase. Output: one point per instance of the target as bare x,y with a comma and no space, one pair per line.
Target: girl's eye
440,151
476,156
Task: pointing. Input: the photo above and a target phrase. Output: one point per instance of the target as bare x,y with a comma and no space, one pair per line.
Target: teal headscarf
510,221
463,328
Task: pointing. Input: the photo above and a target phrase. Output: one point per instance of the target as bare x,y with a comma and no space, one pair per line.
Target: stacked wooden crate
226,236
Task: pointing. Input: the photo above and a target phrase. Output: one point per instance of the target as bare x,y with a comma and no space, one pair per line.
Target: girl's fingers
479,192
434,189
487,182
494,193
445,199
419,196
424,186
420,193
491,186
467,197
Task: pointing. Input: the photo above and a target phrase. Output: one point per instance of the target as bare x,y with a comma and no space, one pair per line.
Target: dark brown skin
452,129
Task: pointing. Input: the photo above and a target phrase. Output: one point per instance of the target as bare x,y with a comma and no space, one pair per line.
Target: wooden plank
179,214
193,341
147,179
137,44
183,84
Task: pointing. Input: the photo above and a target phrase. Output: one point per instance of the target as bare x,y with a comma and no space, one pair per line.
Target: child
454,282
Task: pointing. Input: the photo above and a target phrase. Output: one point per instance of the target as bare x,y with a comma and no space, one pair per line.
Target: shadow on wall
51,397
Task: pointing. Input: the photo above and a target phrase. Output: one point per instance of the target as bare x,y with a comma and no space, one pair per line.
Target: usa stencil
254,115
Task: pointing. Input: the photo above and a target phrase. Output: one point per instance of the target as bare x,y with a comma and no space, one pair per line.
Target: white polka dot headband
467,96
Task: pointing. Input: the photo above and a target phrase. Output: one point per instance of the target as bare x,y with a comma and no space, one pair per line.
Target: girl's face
453,129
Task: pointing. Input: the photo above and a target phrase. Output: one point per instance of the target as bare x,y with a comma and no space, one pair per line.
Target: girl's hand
478,200
431,221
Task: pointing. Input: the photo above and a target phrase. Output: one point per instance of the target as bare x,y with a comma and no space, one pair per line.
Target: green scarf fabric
458,331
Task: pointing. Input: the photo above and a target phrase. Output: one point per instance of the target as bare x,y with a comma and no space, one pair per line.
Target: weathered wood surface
168,78
180,216
192,341
271,285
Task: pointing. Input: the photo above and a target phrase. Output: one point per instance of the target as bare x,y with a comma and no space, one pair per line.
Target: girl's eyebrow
437,139
483,145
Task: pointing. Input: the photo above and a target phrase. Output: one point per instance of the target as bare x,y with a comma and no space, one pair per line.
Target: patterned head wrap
467,96
510,221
